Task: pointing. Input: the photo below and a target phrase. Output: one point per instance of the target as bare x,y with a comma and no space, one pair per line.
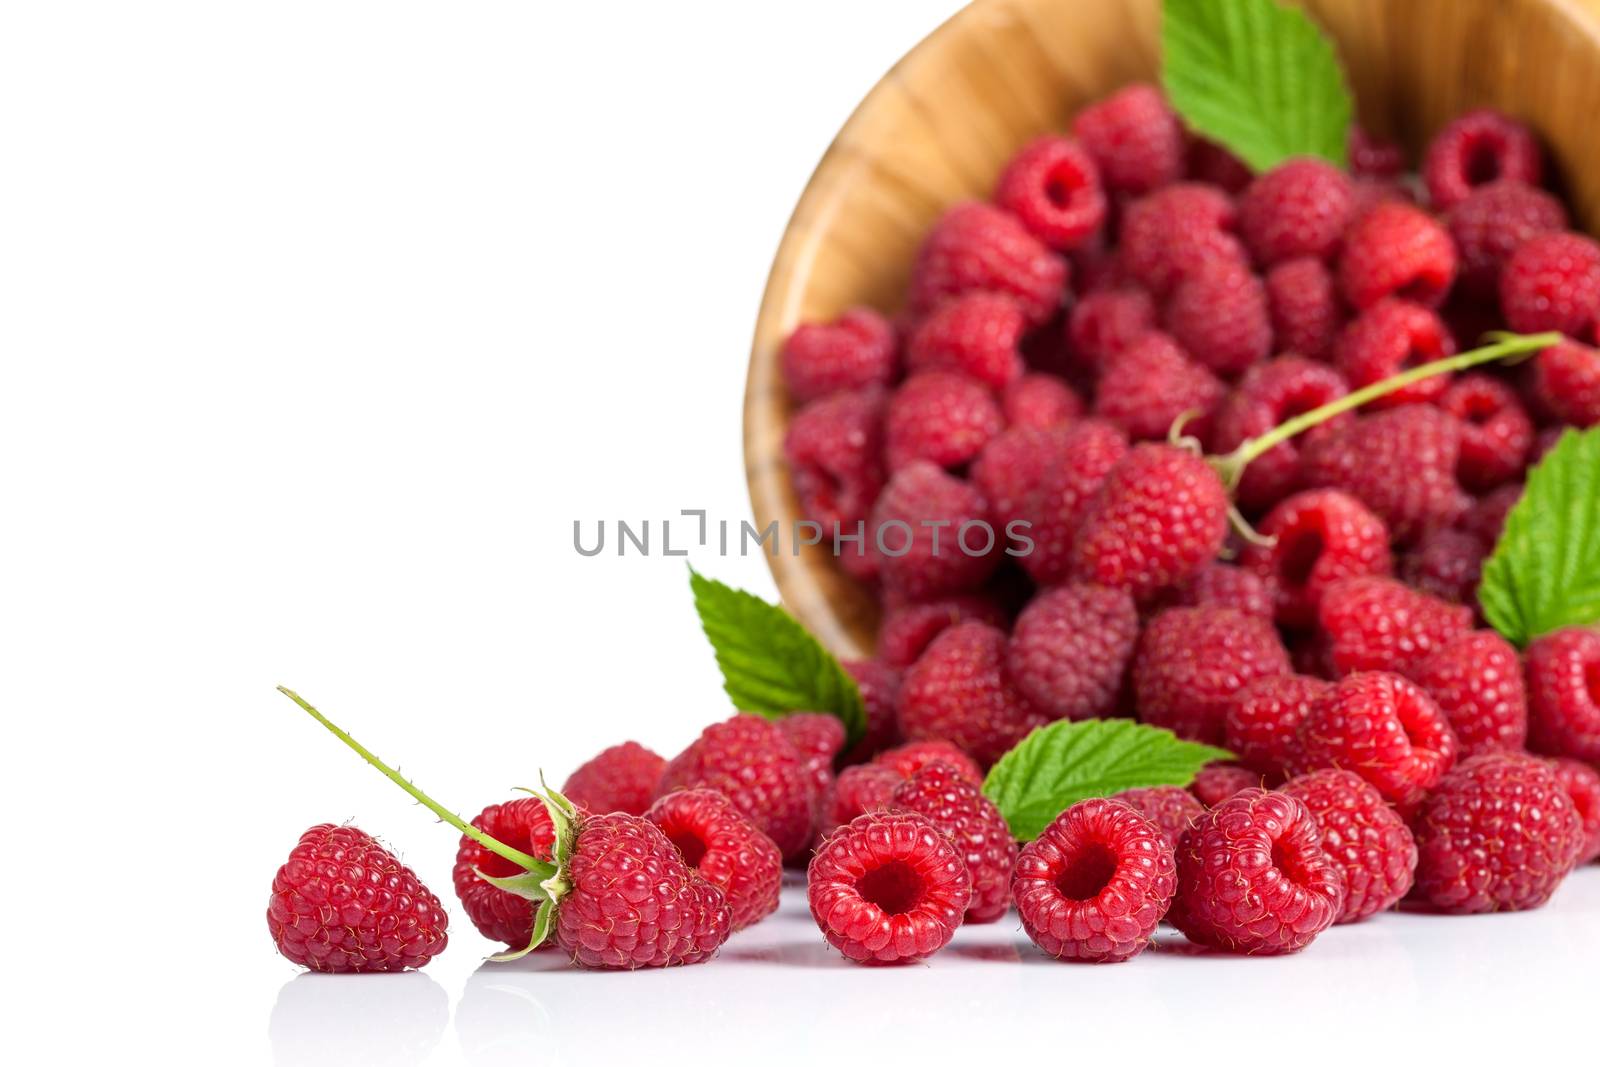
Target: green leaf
770,664
1545,572
1257,77
1058,765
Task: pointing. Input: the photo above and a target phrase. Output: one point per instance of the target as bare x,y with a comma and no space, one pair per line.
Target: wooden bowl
942,123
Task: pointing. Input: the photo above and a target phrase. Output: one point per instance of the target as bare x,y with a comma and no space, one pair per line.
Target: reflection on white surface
379,1019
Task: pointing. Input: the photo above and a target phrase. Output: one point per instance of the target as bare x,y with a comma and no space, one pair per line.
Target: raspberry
1382,727
1090,449
1038,400
888,888
752,762
1171,233
1552,282
1303,307
1377,624
1446,564
855,351
1566,380
342,903
1298,208
1172,809
1053,186
907,759
1318,537
940,416
1373,157
1191,662
952,802
1144,390
1491,222
856,791
1499,834
1216,782
976,334
1496,433
1070,649
977,247
1209,162
1222,585
1564,694
1363,836
1106,322
1476,680
918,522
1269,394
1218,314
1262,722
1159,516
1134,139
621,778
1363,456
1477,148
725,848
499,915
880,687
1014,464
1253,877
958,692
1093,886
1387,338
1582,783
1487,515
835,452
907,631
818,738
1396,250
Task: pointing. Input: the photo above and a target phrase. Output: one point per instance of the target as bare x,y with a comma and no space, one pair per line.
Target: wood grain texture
942,123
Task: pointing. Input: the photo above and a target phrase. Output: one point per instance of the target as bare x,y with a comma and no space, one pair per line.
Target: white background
320,323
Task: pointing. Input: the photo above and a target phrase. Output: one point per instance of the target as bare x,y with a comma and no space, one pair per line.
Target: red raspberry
1171,233
1093,886
1303,307
1144,390
1192,661
342,903
835,452
1552,282
1373,157
1014,464
940,416
857,791
1564,694
1363,456
1298,208
888,888
978,247
1134,139
907,631
1172,809
1476,680
918,522
1159,516
1446,564
725,848
1268,395
1499,834
1491,222
1496,433
1217,782
1106,322
1070,650
1053,186
525,825
907,759
1209,162
621,778
880,688
1262,722
1319,537
855,351
1090,450
1038,400
1363,836
1371,192
1382,727
818,738
1396,250
1582,783
1218,314
976,334
1477,148
958,692
1387,338
1253,877
1377,624
1487,515
750,760
1566,380
1222,585
952,802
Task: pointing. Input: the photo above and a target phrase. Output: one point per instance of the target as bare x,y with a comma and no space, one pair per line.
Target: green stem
520,858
